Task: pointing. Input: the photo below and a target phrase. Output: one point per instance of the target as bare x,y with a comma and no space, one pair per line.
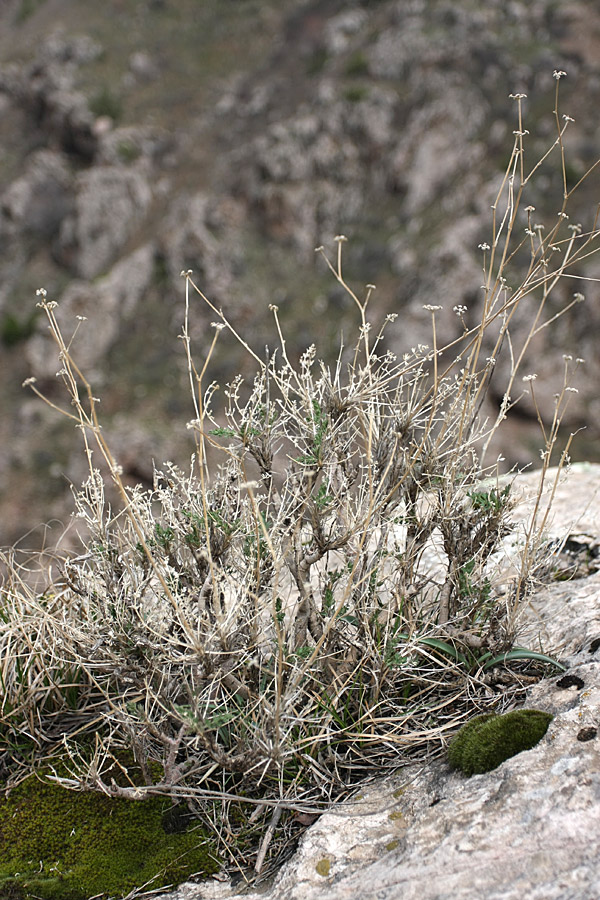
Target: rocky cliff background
231,137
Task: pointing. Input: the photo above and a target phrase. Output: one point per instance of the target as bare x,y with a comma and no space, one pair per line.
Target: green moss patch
57,844
486,741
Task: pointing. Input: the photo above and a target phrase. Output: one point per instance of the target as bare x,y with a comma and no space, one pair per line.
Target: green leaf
437,644
327,704
223,432
519,653
492,501
219,719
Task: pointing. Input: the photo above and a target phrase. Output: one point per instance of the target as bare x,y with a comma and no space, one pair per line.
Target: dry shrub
323,595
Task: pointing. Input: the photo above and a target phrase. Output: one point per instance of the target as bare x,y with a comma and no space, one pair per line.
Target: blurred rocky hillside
231,137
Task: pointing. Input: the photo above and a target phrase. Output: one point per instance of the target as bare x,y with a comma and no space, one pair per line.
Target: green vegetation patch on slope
58,844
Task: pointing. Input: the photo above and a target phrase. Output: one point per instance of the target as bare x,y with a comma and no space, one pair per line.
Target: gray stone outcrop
110,202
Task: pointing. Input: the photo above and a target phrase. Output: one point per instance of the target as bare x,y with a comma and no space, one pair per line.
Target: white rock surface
110,203
528,829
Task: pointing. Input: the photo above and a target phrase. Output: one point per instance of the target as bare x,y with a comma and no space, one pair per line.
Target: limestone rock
36,203
45,90
187,242
31,210
110,203
129,145
143,66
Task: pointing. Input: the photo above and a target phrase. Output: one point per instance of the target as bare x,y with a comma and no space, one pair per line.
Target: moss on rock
57,844
486,741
